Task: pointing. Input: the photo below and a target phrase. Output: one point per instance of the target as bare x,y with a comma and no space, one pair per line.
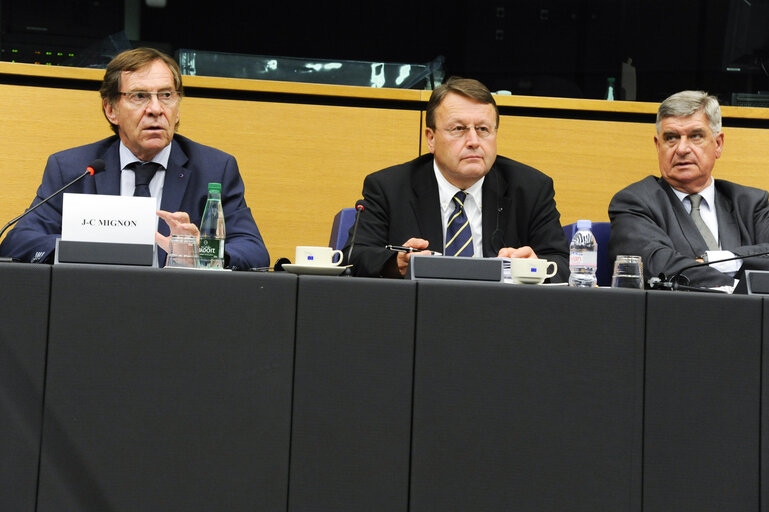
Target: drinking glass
182,252
628,272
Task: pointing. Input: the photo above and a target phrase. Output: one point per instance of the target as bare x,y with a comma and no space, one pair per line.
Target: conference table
126,389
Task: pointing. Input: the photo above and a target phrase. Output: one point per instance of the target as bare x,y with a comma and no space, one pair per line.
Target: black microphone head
360,205
97,165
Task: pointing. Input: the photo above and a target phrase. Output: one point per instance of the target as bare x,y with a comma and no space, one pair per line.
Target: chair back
340,229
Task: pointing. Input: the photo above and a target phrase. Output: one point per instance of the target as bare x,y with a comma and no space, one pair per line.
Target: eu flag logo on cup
310,257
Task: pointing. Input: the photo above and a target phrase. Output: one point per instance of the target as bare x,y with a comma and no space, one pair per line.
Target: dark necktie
144,171
707,235
459,237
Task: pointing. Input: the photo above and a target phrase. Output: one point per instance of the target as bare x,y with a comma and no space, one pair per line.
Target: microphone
678,281
359,207
94,167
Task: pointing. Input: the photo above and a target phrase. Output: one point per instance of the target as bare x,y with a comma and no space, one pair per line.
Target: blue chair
601,231
340,230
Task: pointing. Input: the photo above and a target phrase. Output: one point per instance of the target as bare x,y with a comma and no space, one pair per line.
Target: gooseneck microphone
358,210
93,168
679,282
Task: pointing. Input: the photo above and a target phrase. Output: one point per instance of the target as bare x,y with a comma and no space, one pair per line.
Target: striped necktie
459,237
144,171
703,228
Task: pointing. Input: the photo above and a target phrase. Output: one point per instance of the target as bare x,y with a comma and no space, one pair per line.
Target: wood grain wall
304,160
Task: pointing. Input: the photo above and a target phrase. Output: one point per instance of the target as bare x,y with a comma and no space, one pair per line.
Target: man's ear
110,111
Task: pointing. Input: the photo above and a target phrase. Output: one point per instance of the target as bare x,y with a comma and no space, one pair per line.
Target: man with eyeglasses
141,95
461,199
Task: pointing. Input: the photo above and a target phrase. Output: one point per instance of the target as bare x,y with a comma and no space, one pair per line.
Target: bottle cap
584,224
214,187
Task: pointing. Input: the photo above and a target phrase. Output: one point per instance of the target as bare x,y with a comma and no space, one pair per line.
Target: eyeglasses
141,98
459,132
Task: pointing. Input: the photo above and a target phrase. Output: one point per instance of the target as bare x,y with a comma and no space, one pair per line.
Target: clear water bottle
211,250
583,256
610,89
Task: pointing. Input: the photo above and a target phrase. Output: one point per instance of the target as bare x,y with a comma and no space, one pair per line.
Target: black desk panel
527,398
24,292
765,410
167,390
702,405
352,394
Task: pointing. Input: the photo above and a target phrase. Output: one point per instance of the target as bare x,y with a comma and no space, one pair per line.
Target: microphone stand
94,167
358,210
675,284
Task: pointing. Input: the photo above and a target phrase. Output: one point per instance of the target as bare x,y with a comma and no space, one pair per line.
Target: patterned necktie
144,171
459,237
710,240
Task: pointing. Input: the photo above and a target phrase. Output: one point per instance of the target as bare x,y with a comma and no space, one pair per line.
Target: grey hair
688,103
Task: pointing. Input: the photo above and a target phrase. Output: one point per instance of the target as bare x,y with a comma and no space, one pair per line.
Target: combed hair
467,87
133,60
688,103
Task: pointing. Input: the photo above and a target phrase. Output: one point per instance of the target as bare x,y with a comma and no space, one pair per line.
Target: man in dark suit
506,208
685,216
141,96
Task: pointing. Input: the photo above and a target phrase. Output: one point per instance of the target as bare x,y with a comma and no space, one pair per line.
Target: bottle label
211,248
583,259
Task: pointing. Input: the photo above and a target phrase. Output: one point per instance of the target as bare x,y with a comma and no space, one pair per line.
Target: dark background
536,47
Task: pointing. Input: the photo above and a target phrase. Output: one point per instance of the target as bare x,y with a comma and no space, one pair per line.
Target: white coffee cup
530,270
321,256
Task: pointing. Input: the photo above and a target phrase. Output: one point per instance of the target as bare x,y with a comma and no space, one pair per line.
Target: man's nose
472,139
683,145
154,106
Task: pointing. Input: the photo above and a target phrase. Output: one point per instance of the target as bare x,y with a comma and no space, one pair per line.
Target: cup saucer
318,270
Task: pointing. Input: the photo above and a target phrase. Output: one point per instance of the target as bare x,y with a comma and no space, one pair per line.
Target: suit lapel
690,232
496,209
175,183
108,182
728,231
426,205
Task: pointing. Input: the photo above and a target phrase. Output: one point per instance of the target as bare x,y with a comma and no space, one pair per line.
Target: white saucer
318,270
528,280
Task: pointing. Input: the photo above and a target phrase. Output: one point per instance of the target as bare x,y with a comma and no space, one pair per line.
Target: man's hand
404,257
521,252
179,224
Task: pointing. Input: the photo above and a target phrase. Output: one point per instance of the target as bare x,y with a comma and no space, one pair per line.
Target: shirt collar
447,191
708,194
126,157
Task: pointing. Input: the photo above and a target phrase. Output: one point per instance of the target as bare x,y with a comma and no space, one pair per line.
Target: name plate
111,219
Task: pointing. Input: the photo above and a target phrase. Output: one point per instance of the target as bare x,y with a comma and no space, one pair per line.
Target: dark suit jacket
647,219
191,166
402,202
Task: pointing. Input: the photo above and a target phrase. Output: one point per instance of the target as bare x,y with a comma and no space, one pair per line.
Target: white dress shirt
128,180
710,218
473,208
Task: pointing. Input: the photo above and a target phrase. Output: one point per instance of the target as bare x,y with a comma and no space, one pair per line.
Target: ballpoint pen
401,248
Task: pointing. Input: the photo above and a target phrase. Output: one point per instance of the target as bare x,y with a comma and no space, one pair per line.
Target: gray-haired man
685,216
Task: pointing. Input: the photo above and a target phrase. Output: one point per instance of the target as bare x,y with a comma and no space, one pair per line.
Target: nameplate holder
455,268
104,253
754,282
104,229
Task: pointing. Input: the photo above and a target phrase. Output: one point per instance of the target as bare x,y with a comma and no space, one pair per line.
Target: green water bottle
212,231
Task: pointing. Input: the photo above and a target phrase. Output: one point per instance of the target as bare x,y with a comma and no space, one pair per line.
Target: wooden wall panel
35,122
590,161
302,162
